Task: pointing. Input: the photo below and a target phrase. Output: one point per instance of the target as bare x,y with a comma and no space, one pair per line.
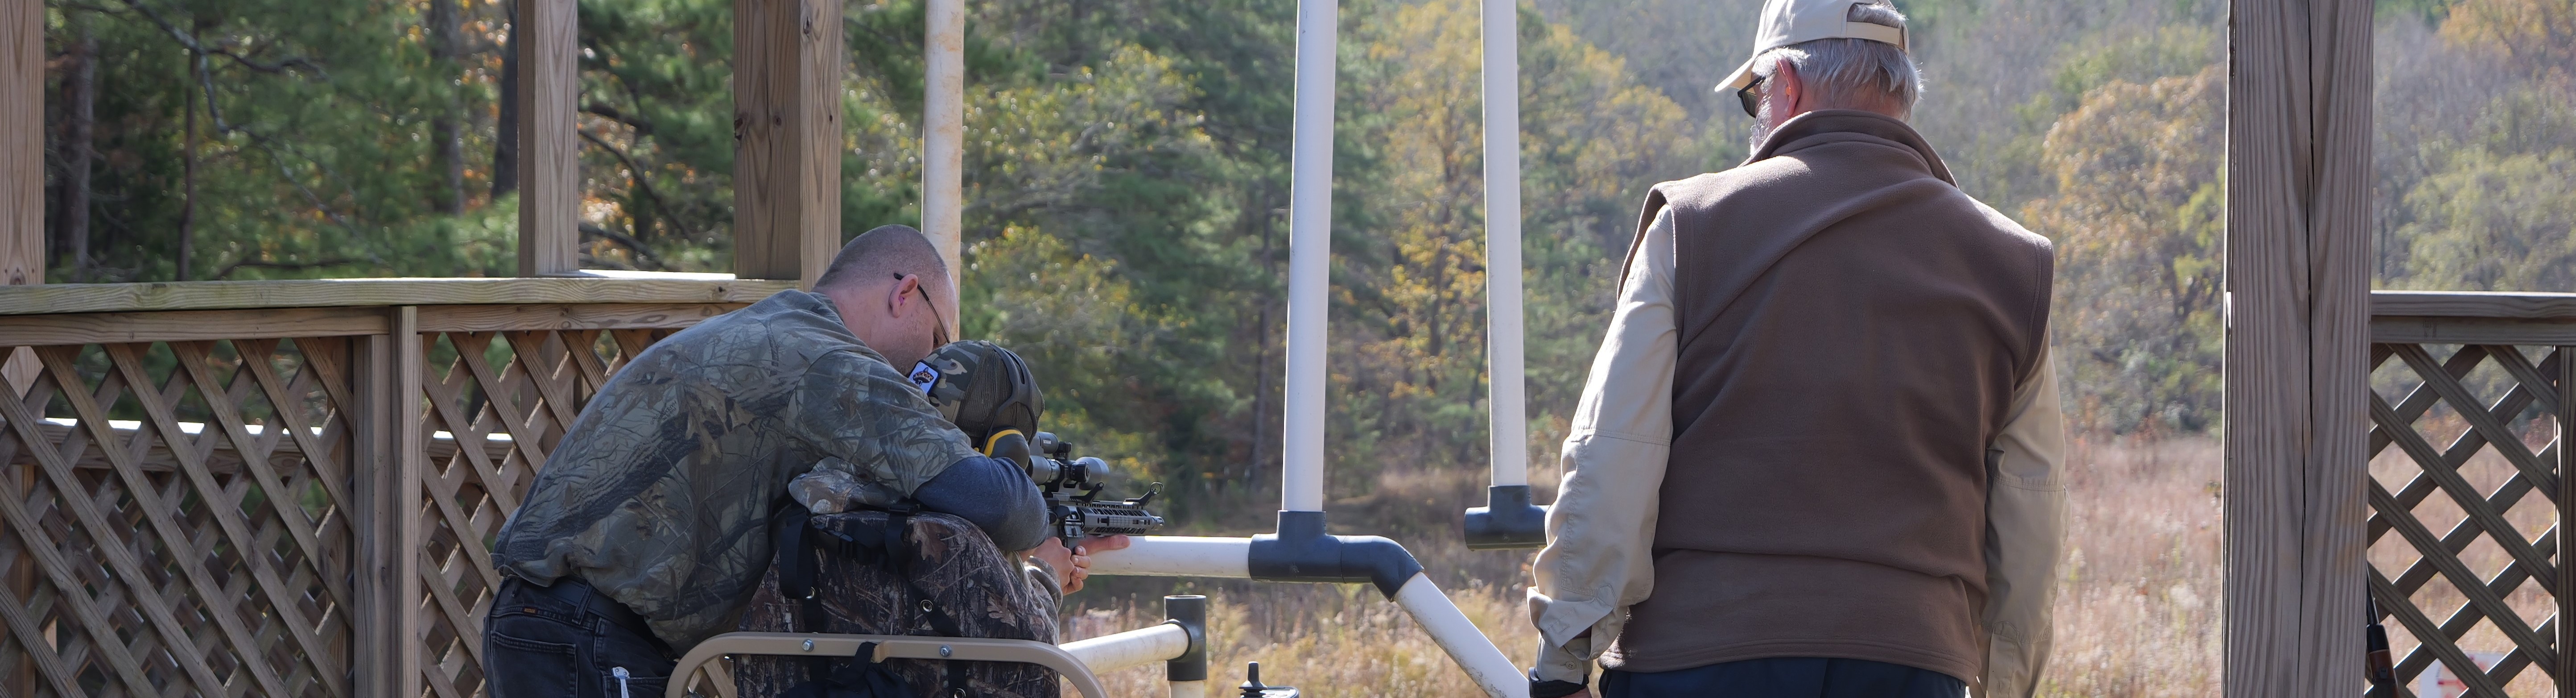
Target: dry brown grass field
2137,614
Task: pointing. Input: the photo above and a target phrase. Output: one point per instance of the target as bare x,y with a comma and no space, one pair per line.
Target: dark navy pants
569,641
1786,677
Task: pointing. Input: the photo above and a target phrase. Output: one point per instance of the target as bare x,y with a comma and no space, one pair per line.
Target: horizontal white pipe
1310,242
1466,645
1508,423
1177,556
1189,689
1109,653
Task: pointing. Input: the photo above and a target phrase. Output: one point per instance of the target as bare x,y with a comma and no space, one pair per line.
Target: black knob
1252,681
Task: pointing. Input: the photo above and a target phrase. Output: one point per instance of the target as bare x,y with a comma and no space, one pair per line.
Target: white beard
1761,128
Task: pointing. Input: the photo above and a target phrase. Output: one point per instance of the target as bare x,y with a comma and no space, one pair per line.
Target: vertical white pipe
1189,689
944,138
1310,230
1508,426
1466,645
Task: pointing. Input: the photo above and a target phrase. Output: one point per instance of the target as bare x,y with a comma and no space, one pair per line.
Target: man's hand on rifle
1074,566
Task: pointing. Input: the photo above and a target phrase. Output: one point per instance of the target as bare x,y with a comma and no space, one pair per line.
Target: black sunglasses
939,334
1752,100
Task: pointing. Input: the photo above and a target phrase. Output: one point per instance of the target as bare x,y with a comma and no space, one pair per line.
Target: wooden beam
603,316
22,148
2477,304
389,457
2298,280
2565,594
316,293
22,162
788,57
189,325
2403,329
549,148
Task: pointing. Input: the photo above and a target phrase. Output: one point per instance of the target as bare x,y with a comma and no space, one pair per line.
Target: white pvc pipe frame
1310,215
1133,648
1310,243
1309,270
943,146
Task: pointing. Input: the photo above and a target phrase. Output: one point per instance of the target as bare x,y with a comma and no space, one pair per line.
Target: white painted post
1509,428
1310,231
944,140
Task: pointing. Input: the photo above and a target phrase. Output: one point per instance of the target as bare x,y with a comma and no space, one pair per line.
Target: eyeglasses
939,326
1751,97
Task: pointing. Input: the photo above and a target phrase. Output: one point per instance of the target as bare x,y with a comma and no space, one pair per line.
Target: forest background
1127,188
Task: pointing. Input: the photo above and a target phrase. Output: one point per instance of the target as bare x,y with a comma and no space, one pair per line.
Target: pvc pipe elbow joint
1302,552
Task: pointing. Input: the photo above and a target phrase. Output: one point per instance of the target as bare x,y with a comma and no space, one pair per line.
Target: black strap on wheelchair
799,546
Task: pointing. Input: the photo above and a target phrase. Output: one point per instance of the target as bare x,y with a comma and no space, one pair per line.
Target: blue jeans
569,641
1786,677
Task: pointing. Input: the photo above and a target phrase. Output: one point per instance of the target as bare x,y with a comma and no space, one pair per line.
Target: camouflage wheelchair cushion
952,564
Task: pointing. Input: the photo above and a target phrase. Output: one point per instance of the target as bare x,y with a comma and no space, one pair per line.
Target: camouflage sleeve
857,408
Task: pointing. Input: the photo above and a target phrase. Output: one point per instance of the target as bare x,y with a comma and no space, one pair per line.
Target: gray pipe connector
1189,612
1507,521
1302,552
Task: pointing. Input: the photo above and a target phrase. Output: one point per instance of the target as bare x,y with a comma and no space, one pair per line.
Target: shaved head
882,254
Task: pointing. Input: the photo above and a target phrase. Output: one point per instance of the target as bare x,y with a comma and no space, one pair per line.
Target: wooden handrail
2491,304
2468,317
317,293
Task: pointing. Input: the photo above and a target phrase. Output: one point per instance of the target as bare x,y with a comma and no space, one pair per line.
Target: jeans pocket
523,668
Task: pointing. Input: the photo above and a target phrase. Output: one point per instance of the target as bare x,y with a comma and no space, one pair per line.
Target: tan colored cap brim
1743,76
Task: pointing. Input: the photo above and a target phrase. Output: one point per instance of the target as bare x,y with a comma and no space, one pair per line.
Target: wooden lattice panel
2474,494
174,520
249,509
498,402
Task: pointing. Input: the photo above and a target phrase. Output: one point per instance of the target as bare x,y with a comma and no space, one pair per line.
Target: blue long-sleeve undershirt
995,495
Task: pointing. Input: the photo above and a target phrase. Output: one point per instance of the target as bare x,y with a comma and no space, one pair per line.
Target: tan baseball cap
1787,22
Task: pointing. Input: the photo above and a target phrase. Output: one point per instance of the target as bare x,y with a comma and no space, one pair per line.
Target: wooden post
2566,591
549,149
22,240
788,57
2298,280
22,162
388,519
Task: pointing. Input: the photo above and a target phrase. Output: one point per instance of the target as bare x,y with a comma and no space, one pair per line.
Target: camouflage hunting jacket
660,493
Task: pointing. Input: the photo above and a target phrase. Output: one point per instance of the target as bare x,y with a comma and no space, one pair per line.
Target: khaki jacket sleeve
1601,529
2025,536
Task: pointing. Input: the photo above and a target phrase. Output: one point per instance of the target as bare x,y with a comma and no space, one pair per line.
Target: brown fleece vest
1852,328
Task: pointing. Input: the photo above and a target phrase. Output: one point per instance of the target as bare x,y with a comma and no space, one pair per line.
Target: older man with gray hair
1819,451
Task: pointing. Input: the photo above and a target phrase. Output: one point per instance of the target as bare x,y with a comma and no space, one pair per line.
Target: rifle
1072,487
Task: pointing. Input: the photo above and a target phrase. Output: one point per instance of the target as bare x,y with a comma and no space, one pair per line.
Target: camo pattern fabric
988,592
661,491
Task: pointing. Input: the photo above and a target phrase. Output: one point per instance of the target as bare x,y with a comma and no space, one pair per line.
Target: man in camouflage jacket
647,529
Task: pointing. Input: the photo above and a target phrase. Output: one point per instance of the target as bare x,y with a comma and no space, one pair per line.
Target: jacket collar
1824,126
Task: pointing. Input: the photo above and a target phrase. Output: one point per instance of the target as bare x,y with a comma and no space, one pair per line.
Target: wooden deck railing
2474,391
289,488
286,488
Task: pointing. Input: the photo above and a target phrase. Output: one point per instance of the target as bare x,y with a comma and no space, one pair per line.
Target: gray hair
1853,73
881,254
